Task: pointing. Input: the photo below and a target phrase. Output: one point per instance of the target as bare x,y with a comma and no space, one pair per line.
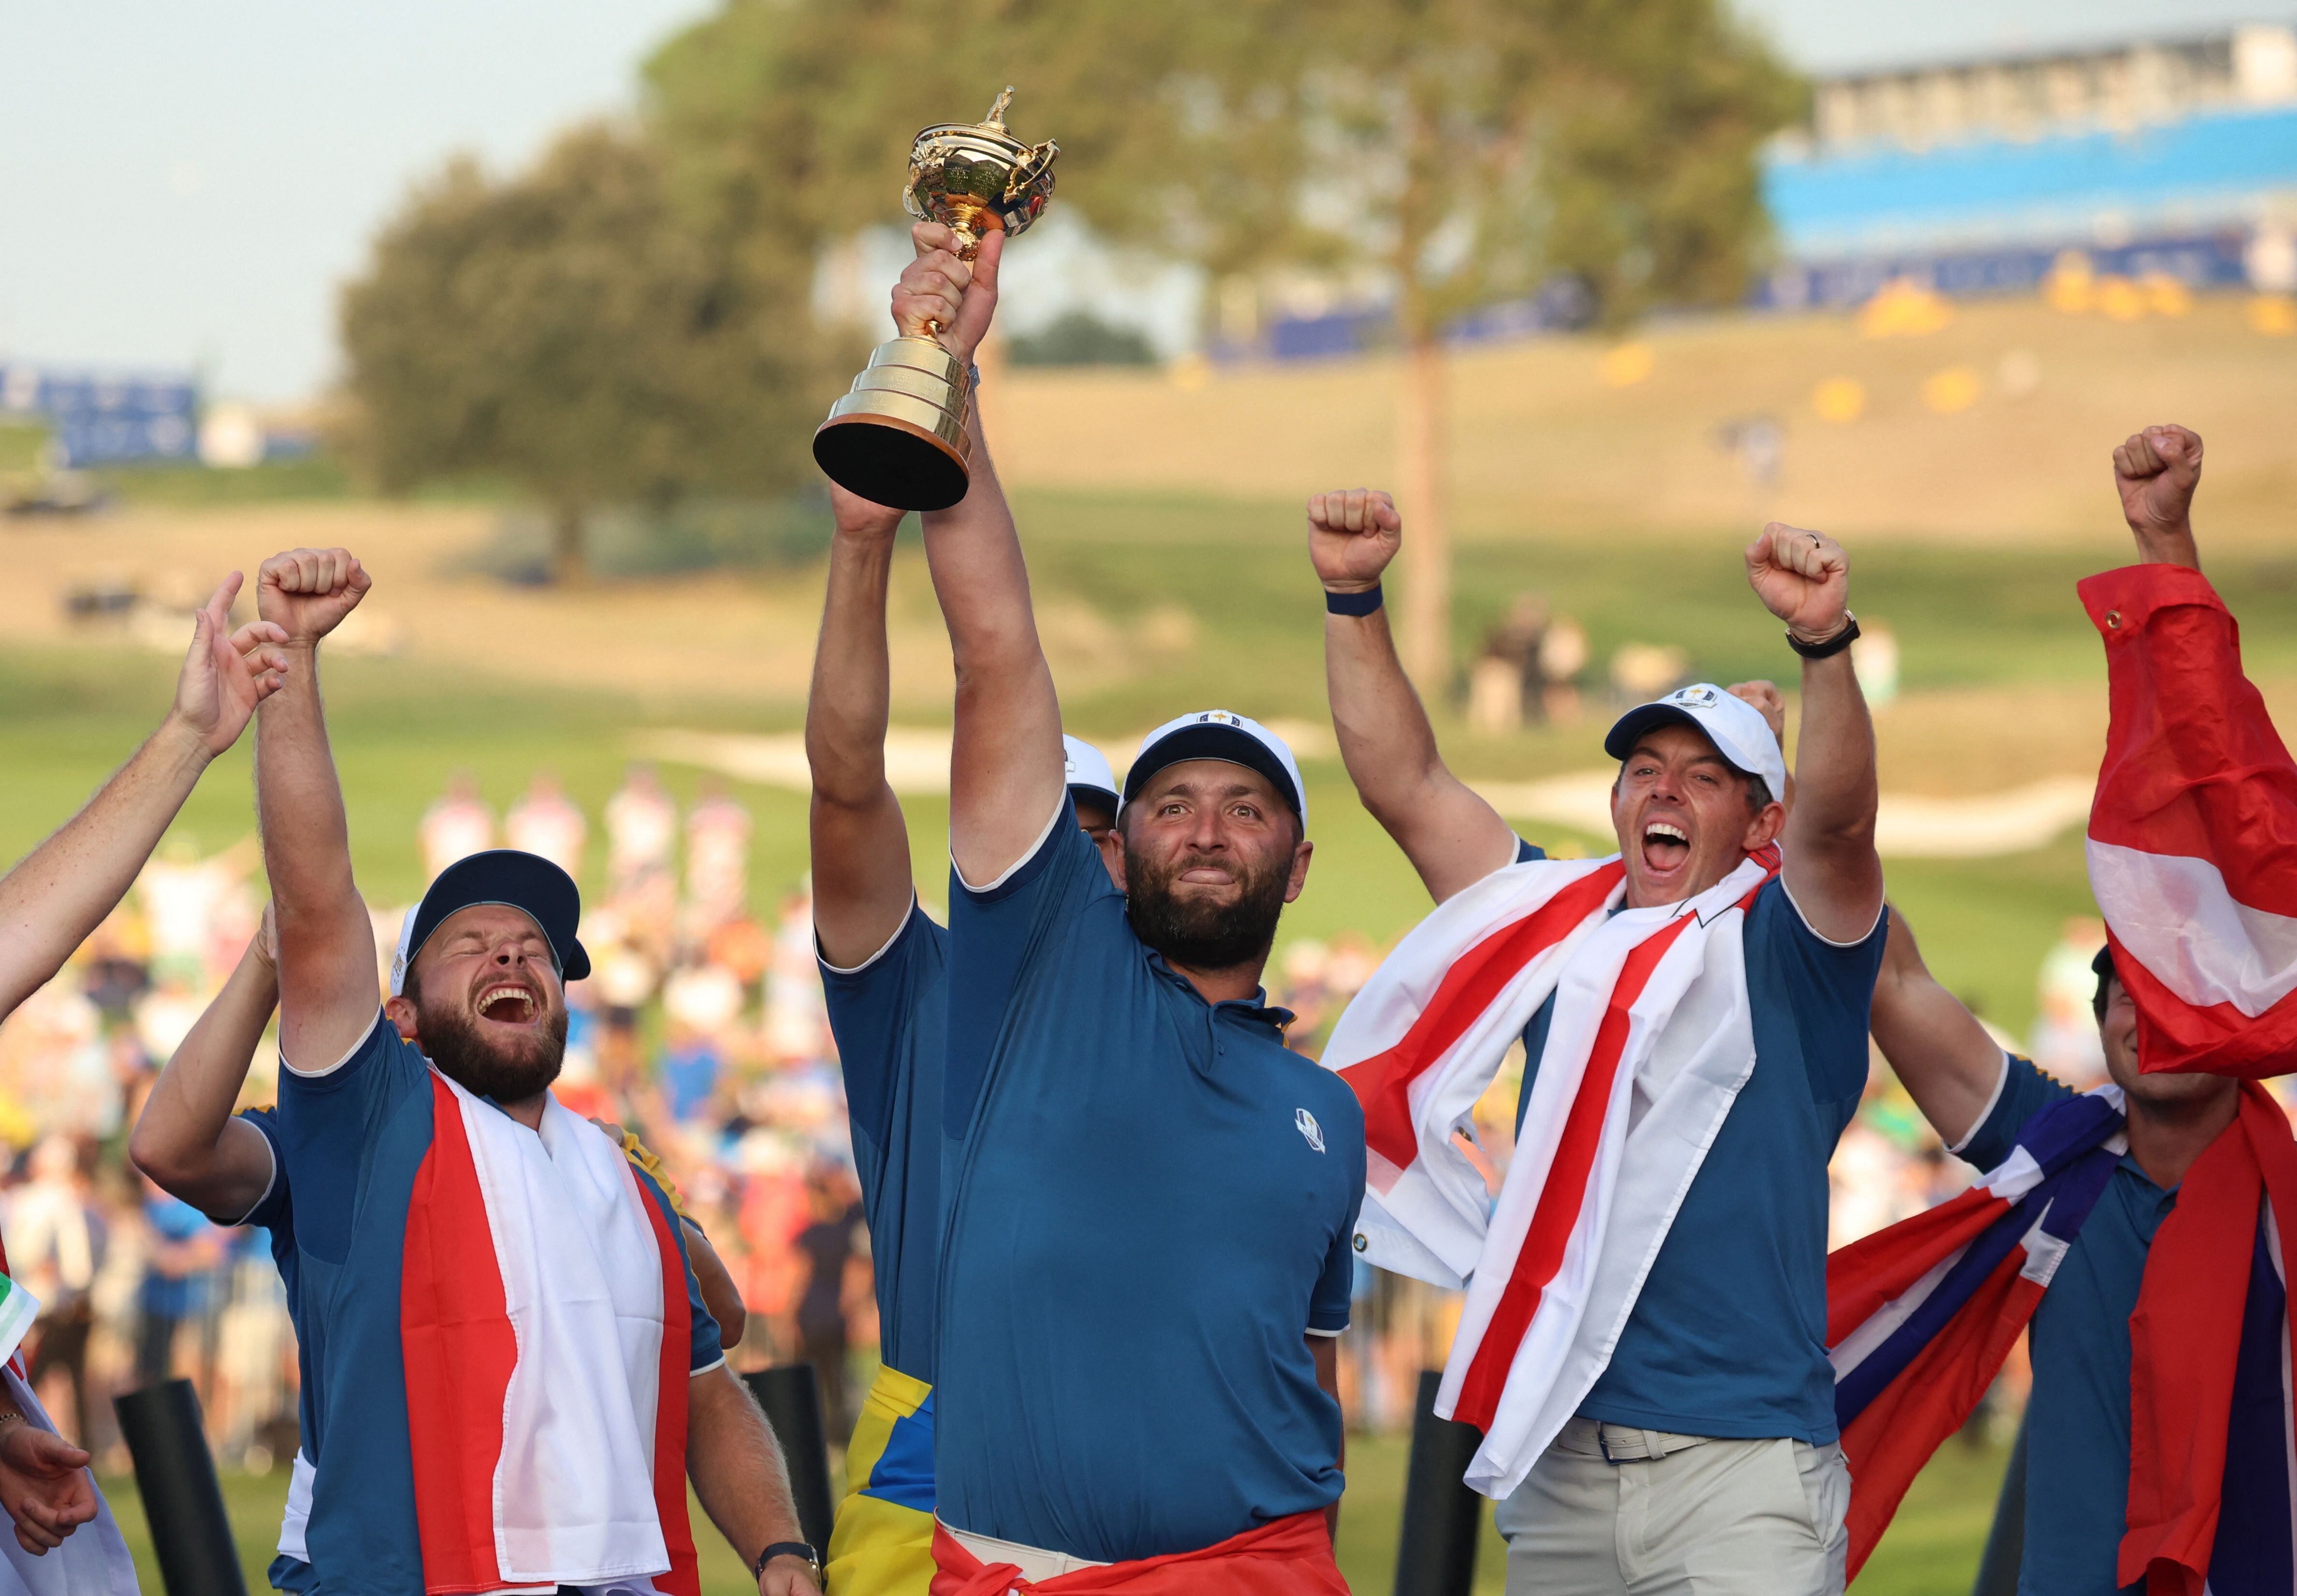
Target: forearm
184,1139
848,706
1326,1352
1832,828
62,891
326,948
737,1466
1943,1056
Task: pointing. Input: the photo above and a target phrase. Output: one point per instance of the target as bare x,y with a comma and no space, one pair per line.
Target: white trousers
1708,1517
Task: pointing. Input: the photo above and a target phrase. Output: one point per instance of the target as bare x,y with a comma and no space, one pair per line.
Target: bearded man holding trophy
1148,1201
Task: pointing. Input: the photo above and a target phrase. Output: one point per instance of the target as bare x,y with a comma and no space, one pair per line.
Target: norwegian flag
2192,837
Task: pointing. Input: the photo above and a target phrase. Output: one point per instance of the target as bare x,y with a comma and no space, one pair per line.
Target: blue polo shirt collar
1256,1008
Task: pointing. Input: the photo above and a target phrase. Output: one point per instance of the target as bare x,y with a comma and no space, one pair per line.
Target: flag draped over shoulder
1647,1000
2193,836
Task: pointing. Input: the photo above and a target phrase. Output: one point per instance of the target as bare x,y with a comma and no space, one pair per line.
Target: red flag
2192,835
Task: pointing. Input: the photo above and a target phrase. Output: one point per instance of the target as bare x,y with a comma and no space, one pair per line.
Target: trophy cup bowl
899,436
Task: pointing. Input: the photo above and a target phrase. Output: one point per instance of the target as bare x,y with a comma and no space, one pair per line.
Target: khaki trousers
1687,1515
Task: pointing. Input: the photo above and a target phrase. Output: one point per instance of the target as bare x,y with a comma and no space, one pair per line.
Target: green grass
1932,1550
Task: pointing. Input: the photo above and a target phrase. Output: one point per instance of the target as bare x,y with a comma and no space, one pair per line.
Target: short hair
2103,967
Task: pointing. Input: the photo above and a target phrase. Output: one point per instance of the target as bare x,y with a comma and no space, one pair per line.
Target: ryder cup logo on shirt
1309,1128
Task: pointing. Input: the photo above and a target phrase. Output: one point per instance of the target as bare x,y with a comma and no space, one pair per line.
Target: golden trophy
898,437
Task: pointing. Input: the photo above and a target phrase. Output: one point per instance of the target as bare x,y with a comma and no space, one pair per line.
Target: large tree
573,329
1470,150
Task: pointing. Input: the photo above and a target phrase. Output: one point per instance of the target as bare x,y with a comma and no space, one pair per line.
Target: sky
187,186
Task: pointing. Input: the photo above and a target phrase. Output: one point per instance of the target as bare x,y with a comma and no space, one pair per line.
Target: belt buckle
1604,1445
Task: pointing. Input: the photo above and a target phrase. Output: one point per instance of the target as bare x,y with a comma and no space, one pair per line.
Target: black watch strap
787,1549
1833,645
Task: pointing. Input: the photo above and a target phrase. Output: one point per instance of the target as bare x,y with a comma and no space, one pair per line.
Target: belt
1627,1444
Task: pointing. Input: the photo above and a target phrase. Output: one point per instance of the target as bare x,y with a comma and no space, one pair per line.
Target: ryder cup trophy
898,437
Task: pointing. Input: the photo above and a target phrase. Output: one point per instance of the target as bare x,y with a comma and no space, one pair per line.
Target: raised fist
2155,473
942,297
1803,578
308,591
1352,533
227,673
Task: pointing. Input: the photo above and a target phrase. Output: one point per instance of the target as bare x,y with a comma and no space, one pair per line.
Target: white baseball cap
1090,777
1221,734
1736,727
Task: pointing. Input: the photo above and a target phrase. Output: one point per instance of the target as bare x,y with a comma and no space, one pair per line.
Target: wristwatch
787,1549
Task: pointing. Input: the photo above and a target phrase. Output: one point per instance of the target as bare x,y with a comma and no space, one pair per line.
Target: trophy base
898,438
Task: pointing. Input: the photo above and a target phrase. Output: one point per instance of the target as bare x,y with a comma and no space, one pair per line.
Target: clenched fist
1803,578
942,295
308,591
1353,534
2156,472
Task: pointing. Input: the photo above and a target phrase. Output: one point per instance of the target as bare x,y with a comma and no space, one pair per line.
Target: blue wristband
1353,603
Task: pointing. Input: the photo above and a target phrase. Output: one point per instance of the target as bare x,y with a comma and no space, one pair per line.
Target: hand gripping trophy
898,438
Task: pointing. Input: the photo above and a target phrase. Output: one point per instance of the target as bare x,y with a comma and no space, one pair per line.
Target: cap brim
526,881
1629,729
1085,792
1212,740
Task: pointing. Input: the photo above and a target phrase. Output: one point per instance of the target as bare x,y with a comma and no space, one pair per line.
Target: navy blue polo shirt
2078,1416
889,1017
1152,1200
1728,1336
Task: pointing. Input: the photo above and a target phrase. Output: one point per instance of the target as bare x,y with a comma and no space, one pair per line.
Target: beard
511,1071
1196,932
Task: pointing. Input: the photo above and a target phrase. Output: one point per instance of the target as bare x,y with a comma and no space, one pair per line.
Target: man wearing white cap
1644,1337
1149,1198
885,967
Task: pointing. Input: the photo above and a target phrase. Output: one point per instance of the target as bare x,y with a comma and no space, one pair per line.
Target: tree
570,329
1472,149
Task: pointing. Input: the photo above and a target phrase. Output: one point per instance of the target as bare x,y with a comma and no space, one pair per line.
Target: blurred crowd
703,1028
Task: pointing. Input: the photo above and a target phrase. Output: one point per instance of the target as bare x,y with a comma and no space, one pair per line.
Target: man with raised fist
1643,1343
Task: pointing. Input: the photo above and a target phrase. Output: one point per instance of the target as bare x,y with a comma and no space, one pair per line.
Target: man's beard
1198,934
511,1073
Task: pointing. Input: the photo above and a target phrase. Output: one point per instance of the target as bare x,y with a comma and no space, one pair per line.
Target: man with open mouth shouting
1643,1344
516,1373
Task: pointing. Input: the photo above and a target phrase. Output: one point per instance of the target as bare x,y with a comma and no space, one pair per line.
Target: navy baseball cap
526,881
1221,734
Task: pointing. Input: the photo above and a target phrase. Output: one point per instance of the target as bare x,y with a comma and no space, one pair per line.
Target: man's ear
1300,853
401,1013
1112,854
1764,828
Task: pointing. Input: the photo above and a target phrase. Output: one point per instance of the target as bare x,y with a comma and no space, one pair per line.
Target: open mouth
1666,844
509,1005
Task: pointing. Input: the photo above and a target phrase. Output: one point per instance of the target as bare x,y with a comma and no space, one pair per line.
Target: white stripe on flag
2177,917
1858,1345
18,1309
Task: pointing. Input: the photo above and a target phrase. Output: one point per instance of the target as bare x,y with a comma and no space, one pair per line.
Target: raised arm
1950,1065
59,893
186,1139
1452,836
1006,774
327,993
2156,472
863,887
1828,846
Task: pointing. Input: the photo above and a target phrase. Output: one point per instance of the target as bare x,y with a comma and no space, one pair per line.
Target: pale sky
187,185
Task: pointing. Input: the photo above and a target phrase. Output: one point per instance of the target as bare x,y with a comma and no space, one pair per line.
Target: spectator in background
641,836
832,1245
717,860
2065,1040
548,823
56,1246
1505,686
456,826
184,1248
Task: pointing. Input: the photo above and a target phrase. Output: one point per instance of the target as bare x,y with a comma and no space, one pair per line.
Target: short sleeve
271,1211
705,1349
2022,1092
995,931
1525,852
873,1015
324,1124
1327,1304
1828,989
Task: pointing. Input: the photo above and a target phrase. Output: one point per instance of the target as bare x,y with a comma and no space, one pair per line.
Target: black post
792,1398
2005,1542
1442,1518
191,1533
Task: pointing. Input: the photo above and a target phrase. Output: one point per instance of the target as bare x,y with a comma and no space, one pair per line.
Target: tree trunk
570,567
1425,637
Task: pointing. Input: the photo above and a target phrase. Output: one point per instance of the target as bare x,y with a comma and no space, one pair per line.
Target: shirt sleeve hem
886,948
717,1363
1859,941
1319,1331
270,1185
2001,1085
1015,874
349,1053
